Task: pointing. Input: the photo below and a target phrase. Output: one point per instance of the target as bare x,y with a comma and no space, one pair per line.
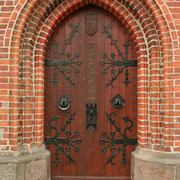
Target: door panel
83,67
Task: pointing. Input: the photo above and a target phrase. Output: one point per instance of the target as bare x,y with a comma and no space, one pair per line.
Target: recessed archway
147,28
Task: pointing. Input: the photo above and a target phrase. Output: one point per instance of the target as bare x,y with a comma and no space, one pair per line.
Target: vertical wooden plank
100,94
108,90
79,104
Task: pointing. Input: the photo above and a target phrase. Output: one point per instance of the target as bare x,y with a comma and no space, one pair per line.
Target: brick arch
148,29
53,20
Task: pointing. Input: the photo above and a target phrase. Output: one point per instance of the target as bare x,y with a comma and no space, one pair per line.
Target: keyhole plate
64,102
117,101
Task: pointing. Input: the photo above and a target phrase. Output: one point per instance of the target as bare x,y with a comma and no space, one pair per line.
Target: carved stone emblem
91,23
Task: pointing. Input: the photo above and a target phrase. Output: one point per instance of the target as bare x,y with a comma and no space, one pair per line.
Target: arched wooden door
90,97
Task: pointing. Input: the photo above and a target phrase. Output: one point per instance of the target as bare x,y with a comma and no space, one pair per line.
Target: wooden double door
90,97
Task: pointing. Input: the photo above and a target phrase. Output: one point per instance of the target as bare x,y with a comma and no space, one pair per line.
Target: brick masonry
25,29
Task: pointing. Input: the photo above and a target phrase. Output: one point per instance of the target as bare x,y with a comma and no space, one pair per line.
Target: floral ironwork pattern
121,142
122,64
59,141
65,66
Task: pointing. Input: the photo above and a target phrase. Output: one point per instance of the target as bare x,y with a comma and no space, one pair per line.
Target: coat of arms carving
91,23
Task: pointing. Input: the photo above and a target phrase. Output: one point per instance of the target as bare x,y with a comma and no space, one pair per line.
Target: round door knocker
117,101
64,102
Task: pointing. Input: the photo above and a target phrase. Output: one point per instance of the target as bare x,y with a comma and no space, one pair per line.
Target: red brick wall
25,29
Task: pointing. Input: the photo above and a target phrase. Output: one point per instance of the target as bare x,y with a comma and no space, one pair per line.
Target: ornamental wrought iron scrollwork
69,63
121,142
122,63
59,141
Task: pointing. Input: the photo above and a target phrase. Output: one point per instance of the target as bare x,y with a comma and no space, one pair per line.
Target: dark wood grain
93,178
90,160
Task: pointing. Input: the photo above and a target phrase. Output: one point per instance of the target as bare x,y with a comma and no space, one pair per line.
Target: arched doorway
90,97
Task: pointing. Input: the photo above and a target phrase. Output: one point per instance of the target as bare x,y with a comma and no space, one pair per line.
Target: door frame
56,38
125,24
29,46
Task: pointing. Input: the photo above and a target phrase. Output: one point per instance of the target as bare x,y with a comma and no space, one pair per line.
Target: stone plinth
155,165
23,165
